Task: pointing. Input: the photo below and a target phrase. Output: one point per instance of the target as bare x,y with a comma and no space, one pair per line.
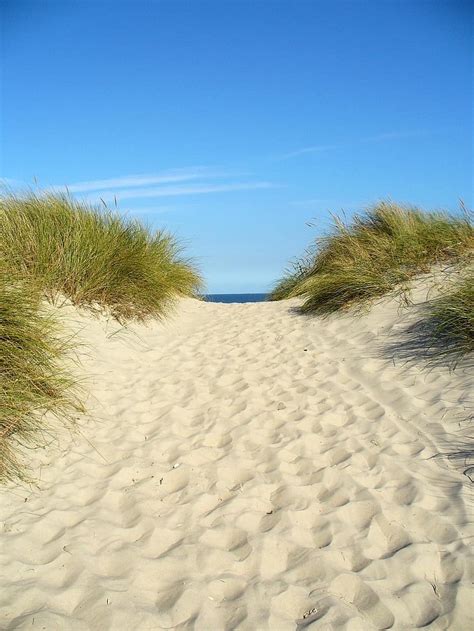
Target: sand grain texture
244,465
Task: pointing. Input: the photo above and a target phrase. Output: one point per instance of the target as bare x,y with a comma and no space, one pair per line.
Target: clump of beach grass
34,379
450,318
296,272
373,254
93,256
54,247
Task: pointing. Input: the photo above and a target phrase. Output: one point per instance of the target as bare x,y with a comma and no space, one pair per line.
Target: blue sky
233,124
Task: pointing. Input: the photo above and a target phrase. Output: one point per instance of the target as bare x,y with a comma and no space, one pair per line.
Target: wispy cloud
383,137
396,135
174,191
166,177
313,149
9,183
196,180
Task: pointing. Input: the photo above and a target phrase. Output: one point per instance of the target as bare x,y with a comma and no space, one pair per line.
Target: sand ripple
243,466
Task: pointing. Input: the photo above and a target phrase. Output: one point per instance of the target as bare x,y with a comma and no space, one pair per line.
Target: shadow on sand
425,341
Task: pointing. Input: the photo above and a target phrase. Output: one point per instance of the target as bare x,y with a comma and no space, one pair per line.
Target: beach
243,466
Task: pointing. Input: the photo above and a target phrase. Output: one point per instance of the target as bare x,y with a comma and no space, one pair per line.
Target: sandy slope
244,465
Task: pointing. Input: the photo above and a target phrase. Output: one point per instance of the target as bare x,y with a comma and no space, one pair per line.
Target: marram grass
451,321
94,257
53,246
373,254
34,381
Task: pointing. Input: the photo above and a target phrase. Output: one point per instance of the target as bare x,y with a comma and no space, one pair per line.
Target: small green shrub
93,256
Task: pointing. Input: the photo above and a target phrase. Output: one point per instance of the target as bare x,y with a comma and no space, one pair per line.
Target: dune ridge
246,467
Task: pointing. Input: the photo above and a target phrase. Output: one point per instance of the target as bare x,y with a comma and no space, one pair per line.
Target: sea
229,298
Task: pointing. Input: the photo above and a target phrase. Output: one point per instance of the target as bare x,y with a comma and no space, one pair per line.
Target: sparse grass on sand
52,246
451,321
94,257
373,254
34,380
382,251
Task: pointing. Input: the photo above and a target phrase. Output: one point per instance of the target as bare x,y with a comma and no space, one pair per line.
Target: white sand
244,465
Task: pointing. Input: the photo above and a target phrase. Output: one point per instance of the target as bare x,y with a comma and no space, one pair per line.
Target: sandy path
245,465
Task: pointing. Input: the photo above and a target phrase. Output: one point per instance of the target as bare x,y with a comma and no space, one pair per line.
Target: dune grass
296,272
94,257
34,381
451,321
54,247
376,252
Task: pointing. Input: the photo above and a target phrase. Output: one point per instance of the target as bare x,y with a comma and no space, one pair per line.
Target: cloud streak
167,177
313,149
198,180
175,191
10,184
387,136
187,181
396,135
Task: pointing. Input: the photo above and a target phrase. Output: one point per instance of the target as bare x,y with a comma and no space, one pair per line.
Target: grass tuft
375,253
34,381
451,318
52,246
297,271
95,257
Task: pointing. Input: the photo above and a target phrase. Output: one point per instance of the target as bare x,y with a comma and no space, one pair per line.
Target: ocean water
236,297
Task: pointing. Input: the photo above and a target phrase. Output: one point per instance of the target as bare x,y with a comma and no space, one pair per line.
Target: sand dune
246,467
